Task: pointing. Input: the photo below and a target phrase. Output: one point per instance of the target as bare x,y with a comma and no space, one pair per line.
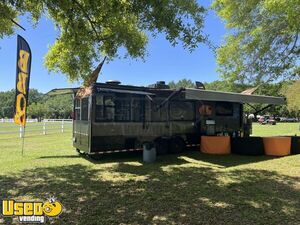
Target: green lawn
190,188
278,129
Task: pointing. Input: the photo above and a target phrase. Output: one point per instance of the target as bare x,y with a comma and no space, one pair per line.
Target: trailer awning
124,91
62,91
198,94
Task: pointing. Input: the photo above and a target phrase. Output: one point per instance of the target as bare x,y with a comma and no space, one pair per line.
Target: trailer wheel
177,145
161,146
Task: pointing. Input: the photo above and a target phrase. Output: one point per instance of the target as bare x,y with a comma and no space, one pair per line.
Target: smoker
115,117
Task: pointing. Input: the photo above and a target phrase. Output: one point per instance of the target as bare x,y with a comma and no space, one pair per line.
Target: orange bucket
277,146
215,145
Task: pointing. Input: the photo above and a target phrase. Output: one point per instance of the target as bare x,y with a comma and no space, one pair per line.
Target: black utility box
247,146
295,145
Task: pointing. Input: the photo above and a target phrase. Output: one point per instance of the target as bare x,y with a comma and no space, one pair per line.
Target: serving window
119,108
105,108
122,108
182,111
224,109
159,114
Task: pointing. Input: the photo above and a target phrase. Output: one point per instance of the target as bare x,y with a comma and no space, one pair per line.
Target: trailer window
137,109
119,108
99,108
122,106
77,109
206,110
109,108
182,111
84,109
224,109
105,108
160,114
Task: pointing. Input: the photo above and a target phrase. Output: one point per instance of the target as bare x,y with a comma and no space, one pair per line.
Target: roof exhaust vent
200,85
161,82
113,82
159,85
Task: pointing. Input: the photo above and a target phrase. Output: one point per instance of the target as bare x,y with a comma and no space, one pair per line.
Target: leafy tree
37,110
59,106
263,43
40,105
7,101
89,30
292,93
184,83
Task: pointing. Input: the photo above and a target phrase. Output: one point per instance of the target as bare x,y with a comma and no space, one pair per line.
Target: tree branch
89,19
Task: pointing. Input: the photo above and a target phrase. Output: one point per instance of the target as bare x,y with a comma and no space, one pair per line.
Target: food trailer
114,117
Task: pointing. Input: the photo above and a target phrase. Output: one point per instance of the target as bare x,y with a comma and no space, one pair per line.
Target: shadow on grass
220,160
177,193
59,156
228,160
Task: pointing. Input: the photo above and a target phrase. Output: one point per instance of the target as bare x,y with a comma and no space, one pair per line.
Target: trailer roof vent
200,85
160,85
113,82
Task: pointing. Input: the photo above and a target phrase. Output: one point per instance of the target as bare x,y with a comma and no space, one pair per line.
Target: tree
37,110
40,105
184,83
59,106
89,30
292,93
7,101
263,43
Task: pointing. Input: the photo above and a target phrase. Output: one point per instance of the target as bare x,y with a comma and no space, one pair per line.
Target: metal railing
44,127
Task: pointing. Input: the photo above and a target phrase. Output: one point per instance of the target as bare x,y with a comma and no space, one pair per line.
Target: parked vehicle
287,120
267,120
115,117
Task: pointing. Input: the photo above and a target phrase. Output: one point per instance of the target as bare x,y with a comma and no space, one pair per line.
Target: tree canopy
263,42
89,30
292,93
40,105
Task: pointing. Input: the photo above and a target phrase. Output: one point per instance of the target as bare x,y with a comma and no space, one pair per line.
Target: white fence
46,126
12,120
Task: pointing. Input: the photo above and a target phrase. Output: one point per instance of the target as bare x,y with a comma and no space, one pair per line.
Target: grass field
278,129
190,188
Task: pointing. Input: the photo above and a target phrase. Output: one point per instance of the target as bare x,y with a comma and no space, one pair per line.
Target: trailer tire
161,146
177,145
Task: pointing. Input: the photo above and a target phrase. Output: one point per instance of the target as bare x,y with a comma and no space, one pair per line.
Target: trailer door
81,124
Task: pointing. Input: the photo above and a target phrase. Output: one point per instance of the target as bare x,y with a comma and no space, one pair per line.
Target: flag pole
23,139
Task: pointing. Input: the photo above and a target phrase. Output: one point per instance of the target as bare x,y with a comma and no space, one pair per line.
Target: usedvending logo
31,212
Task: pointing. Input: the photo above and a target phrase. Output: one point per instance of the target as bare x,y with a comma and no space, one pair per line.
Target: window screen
224,109
105,108
158,115
85,109
182,111
119,107
137,106
122,106
77,109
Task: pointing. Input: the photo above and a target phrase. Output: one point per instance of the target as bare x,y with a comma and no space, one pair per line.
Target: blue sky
163,62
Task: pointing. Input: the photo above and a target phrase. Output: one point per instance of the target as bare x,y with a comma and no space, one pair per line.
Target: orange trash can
277,146
215,145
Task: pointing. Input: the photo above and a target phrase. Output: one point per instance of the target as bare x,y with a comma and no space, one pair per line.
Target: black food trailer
114,117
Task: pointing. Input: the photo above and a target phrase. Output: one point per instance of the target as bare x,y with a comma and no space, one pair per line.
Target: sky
164,62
